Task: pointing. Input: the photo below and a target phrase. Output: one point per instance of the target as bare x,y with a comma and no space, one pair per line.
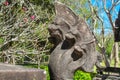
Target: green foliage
45,4
109,45
23,26
79,7
45,68
80,75
1,40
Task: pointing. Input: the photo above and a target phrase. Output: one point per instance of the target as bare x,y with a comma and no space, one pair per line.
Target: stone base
14,72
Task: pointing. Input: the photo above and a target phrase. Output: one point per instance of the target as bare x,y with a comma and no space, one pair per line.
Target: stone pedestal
14,72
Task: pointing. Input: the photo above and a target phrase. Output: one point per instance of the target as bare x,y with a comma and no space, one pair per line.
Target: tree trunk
116,57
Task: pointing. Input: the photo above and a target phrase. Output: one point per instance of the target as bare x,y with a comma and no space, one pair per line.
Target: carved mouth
56,34
70,39
68,42
69,36
76,55
55,38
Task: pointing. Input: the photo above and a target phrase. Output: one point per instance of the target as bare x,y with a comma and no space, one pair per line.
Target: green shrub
46,69
80,75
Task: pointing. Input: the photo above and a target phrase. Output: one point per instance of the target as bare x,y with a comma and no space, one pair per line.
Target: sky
103,15
101,12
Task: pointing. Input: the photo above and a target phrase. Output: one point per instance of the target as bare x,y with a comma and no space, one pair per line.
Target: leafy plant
46,69
80,75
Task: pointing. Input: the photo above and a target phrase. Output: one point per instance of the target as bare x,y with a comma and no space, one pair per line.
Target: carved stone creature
74,45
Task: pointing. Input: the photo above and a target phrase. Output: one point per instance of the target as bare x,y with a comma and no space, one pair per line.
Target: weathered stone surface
14,72
74,44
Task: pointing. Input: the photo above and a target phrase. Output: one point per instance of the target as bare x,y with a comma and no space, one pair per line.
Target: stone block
15,72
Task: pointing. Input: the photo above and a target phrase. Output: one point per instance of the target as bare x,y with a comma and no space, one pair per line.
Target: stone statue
74,44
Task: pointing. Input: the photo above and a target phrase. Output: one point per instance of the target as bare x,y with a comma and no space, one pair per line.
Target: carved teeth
52,27
68,36
77,48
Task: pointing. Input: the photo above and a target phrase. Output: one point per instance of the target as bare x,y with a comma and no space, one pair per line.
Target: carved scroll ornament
74,44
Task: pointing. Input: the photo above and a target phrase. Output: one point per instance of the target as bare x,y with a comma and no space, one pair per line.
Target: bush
45,68
80,75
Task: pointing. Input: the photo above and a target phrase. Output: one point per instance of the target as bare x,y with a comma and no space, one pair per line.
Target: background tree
110,12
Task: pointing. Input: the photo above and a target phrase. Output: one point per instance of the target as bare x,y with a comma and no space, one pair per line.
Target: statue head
74,44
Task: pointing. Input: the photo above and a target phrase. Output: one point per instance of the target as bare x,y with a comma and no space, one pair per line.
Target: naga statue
74,44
